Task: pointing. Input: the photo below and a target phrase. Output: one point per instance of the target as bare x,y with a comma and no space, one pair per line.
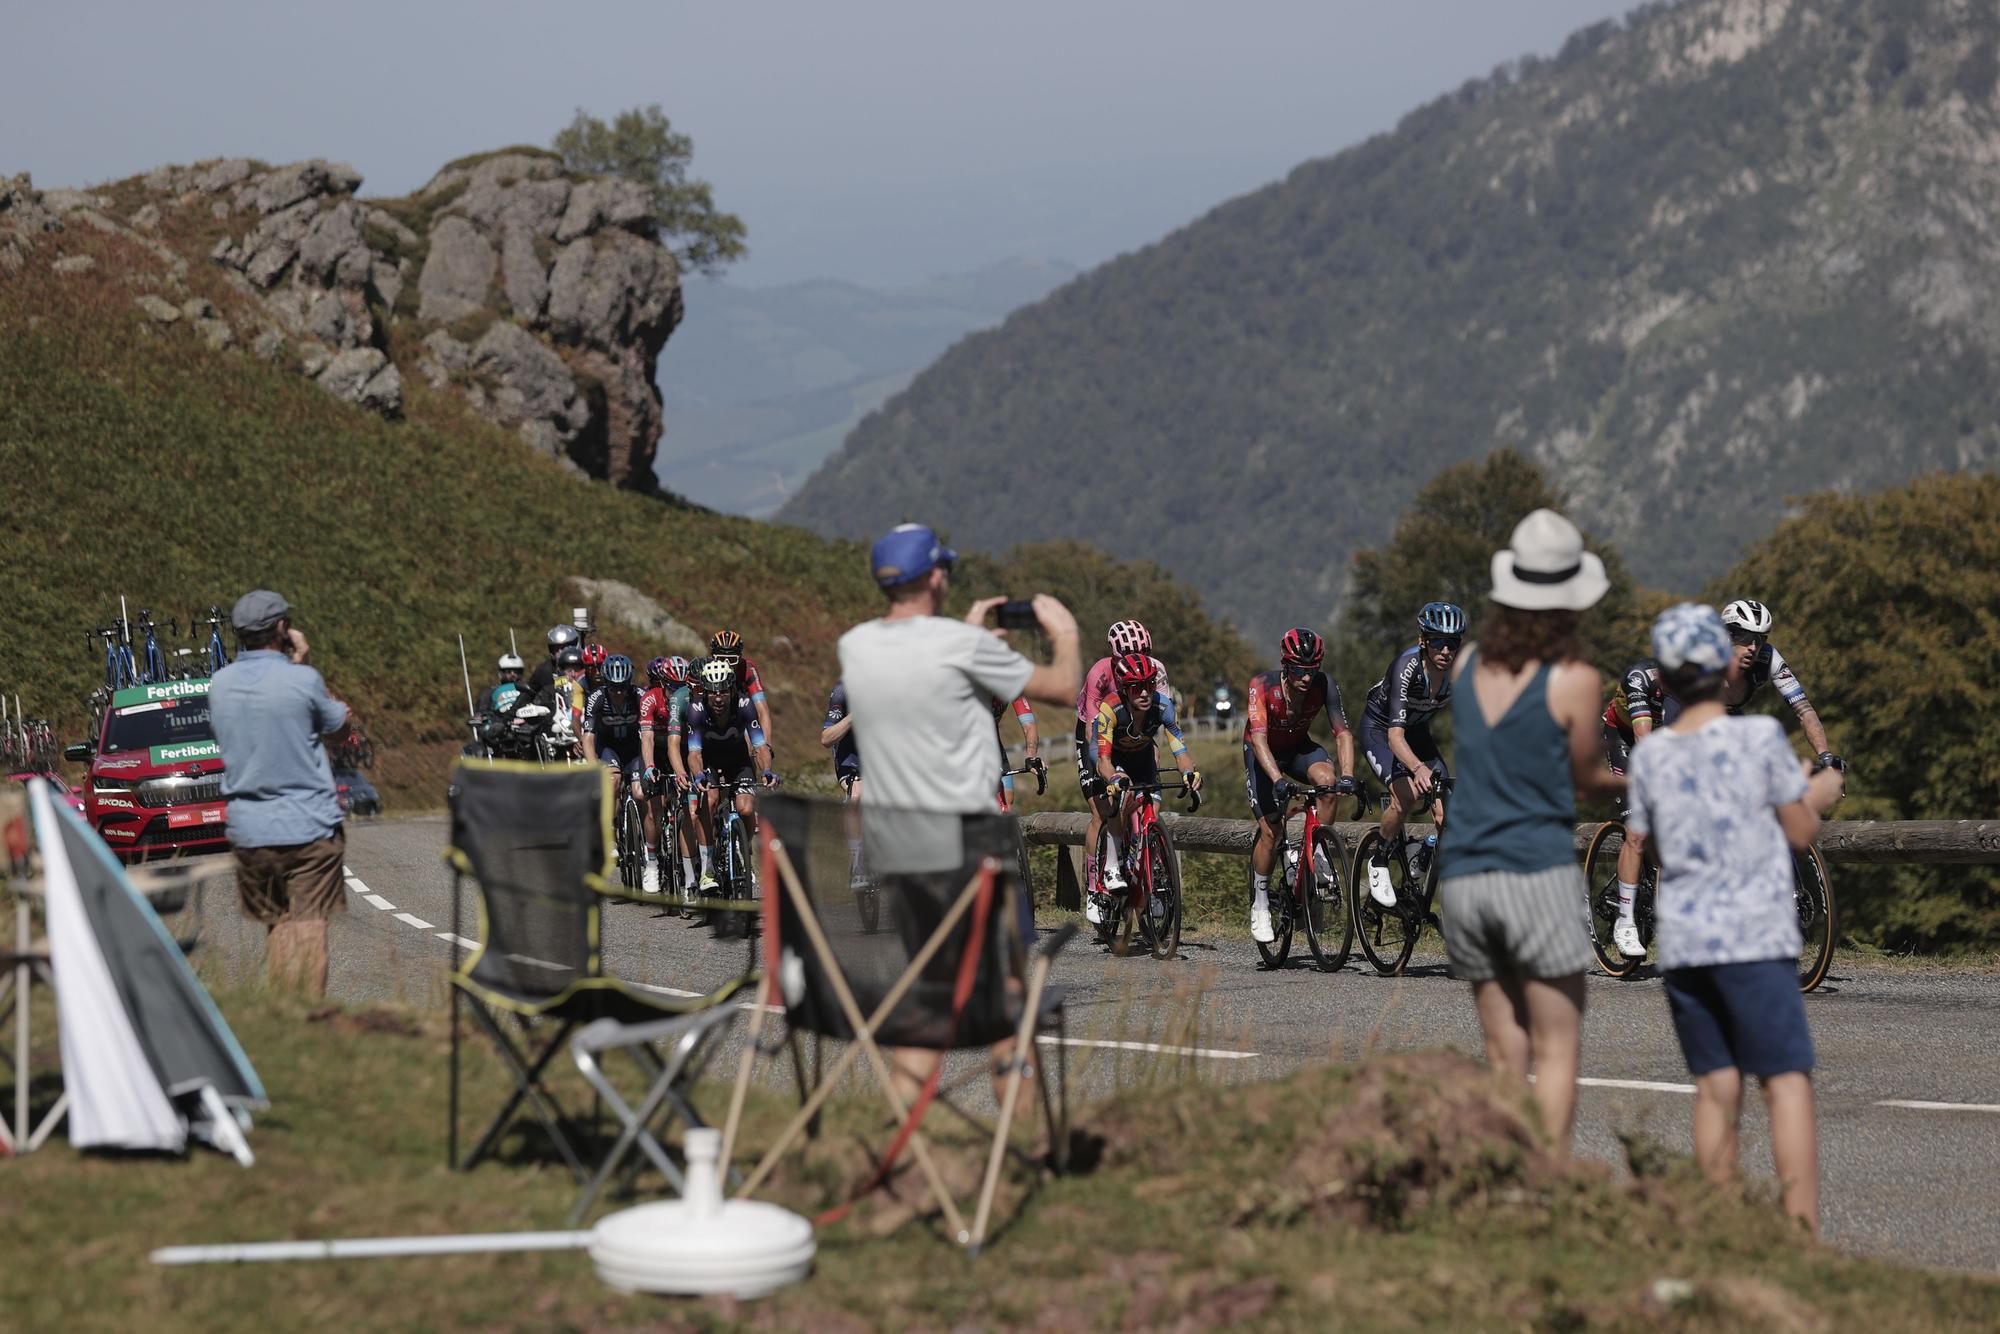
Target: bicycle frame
215,656
1138,812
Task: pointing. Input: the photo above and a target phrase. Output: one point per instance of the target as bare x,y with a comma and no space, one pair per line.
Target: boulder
332,250
607,202
283,187
313,359
622,605
74,264
268,345
365,376
215,333
213,178
523,274
458,274
198,308
161,309
146,217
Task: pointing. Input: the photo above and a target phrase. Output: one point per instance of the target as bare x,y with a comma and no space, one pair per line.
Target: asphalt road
1914,1183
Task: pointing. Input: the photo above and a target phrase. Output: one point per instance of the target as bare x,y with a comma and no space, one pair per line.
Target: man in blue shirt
273,720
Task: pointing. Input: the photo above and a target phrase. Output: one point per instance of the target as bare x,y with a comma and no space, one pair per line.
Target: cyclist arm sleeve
1787,683
1399,691
693,726
1638,693
1176,743
754,730
591,705
1101,729
1024,710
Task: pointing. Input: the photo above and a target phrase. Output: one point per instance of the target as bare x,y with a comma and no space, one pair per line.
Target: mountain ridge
1719,253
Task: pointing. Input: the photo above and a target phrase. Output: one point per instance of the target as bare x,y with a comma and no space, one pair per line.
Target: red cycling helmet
1302,648
1133,671
593,656
1128,637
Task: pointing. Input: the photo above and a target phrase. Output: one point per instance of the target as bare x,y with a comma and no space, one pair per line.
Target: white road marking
1917,1106
415,921
1155,1047
665,991
461,941
1644,1085
380,902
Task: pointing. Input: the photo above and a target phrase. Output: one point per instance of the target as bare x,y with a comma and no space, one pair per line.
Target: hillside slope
1720,254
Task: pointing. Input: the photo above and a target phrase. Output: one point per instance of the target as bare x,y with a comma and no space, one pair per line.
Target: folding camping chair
931,950
536,843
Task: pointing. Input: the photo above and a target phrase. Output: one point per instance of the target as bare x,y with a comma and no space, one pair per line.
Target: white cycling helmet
511,662
716,674
1743,614
1128,637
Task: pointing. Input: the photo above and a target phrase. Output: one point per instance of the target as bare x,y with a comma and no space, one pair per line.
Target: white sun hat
1545,567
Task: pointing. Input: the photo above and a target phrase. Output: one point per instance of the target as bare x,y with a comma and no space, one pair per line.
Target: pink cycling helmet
1128,637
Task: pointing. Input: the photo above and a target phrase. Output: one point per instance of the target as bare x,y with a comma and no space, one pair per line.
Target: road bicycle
1041,773
121,671
628,831
735,862
1151,907
1812,898
153,662
1308,889
1388,936
214,657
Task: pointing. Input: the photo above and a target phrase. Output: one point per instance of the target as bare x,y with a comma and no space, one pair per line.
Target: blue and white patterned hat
1691,634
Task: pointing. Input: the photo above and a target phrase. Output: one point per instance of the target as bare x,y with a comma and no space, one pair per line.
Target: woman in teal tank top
1525,733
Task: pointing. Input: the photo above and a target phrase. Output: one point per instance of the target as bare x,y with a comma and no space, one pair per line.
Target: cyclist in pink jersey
1122,638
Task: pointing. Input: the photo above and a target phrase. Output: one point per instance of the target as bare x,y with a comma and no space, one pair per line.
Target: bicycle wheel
1329,926
1162,922
1387,935
631,844
1600,879
1107,930
1812,890
1021,865
741,884
1282,900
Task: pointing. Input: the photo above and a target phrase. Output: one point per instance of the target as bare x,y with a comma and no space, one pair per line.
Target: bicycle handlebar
1193,793
1040,771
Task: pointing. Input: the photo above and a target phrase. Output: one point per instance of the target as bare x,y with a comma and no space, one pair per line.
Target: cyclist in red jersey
1278,748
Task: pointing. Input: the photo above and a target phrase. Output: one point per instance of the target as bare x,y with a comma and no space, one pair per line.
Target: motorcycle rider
544,676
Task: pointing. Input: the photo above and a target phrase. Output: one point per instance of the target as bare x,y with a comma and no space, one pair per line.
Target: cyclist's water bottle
1422,862
1291,862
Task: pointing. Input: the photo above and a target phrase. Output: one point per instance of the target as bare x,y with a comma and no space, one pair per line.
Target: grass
1406,1192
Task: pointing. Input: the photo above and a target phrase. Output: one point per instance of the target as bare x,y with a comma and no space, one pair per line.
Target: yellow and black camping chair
536,843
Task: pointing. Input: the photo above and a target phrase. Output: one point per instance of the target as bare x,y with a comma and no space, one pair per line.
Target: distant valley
762,384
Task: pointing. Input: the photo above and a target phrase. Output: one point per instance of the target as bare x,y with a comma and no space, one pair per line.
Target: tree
1889,607
640,145
1442,550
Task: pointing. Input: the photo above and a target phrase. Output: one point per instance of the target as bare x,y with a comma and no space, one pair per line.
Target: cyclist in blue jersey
611,724
1396,733
837,735
725,744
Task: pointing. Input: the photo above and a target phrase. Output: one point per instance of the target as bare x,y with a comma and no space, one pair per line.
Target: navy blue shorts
630,764
1375,745
1747,1015
1295,765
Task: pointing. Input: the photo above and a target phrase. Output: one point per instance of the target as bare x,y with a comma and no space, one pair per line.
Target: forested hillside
1720,254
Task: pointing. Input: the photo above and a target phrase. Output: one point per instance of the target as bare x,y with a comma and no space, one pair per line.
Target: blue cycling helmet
1440,618
618,669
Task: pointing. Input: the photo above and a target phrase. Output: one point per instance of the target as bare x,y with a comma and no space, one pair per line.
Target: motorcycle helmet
561,637
570,659
511,662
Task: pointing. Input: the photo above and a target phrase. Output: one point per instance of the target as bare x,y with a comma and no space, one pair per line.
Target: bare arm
1815,731
1576,698
1801,818
1058,680
831,736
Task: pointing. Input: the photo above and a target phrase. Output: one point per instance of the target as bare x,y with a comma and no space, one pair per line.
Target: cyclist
837,735
1396,732
723,739
728,646
1758,664
543,678
593,668
1122,753
1122,638
663,703
611,727
1642,702
1024,713
1278,747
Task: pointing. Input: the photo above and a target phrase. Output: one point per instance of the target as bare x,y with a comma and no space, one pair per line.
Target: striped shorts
1515,924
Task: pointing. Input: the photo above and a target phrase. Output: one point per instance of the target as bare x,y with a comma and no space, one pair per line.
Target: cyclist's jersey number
1120,733
1403,697
1285,726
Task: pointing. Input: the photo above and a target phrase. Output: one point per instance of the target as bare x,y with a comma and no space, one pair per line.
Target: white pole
466,672
368,1248
124,621
512,642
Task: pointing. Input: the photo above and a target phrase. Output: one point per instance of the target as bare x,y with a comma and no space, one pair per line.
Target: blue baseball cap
1691,635
907,551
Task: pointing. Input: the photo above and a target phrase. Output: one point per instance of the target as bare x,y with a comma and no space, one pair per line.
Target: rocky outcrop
541,298
591,297
622,605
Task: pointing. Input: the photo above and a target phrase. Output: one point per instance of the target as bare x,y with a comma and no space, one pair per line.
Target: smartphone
1016,615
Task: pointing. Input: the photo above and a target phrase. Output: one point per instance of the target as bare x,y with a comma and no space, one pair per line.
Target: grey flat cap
259,610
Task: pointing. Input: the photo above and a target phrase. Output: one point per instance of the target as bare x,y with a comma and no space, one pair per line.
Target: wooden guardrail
1933,842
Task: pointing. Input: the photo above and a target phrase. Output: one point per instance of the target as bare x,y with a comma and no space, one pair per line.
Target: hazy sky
861,139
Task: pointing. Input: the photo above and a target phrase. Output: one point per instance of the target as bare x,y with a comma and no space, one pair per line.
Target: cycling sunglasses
1746,639
1452,642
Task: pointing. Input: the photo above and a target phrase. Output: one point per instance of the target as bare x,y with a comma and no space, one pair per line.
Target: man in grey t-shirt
273,718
